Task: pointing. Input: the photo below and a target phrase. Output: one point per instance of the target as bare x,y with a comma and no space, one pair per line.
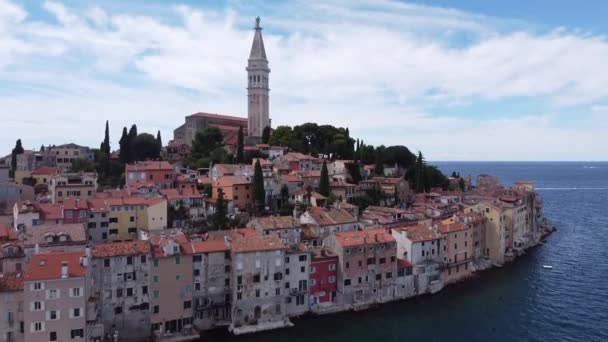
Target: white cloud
378,67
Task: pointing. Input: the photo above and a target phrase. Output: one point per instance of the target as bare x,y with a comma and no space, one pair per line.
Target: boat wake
571,188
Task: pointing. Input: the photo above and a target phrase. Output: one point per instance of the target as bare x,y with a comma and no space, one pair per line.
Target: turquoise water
519,302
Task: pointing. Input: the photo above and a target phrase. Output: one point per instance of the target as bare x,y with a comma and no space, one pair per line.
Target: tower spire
258,91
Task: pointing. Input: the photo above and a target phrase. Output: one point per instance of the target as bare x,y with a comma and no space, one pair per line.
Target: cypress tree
259,194
266,135
105,146
324,181
130,137
124,146
420,173
220,221
159,143
239,147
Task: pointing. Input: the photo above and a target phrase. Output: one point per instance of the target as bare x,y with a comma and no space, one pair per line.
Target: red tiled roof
48,265
74,204
11,282
97,205
45,170
38,235
7,233
231,180
149,166
51,211
106,250
277,222
364,237
403,263
218,116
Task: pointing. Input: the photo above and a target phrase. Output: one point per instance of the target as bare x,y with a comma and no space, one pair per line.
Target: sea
521,301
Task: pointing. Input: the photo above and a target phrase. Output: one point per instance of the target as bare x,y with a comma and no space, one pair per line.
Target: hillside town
235,225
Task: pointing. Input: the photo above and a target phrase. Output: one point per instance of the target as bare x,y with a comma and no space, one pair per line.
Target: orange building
237,189
161,173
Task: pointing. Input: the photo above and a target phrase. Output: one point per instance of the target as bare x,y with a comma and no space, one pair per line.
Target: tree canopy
208,146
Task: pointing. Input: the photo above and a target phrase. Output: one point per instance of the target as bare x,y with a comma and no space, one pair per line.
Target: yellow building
497,233
129,214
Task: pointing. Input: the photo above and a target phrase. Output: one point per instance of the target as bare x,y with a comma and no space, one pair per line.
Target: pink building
54,297
160,173
171,285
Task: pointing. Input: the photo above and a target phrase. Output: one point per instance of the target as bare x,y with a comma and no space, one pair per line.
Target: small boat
549,267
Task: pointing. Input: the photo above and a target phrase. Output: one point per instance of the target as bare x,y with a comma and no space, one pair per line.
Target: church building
258,109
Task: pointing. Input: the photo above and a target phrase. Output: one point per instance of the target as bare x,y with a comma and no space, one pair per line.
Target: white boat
549,267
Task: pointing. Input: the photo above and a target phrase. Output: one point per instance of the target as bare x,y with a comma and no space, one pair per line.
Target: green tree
324,181
144,147
219,218
240,158
131,137
205,141
281,136
82,165
462,184
17,150
259,194
266,135
124,146
354,172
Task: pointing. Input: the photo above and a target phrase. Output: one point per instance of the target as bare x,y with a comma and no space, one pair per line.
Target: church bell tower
257,87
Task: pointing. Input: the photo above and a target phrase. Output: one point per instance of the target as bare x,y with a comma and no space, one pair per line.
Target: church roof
257,48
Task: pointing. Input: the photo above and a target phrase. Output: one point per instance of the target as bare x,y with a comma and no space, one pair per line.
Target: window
178,259
277,291
346,282
178,277
371,261
156,263
197,272
38,286
129,292
52,294
332,279
378,276
332,267
156,309
53,336
52,315
256,278
302,257
77,333
278,276
118,293
303,269
187,304
144,290
92,225
37,327
347,264
257,293
37,306
118,310
75,312
382,260
239,295
143,259
129,260
156,293
389,275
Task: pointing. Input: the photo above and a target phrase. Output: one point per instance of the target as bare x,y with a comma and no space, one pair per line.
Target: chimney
36,249
64,269
227,241
87,251
84,261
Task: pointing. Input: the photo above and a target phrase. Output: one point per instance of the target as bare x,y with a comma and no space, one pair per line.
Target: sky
457,80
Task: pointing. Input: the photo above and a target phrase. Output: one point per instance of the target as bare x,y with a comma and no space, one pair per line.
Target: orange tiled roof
97,205
451,227
74,204
45,170
218,116
209,246
328,217
421,233
231,180
363,237
403,263
277,222
75,232
149,166
106,250
245,241
48,265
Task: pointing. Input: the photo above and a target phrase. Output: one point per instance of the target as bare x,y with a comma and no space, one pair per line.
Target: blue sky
459,80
